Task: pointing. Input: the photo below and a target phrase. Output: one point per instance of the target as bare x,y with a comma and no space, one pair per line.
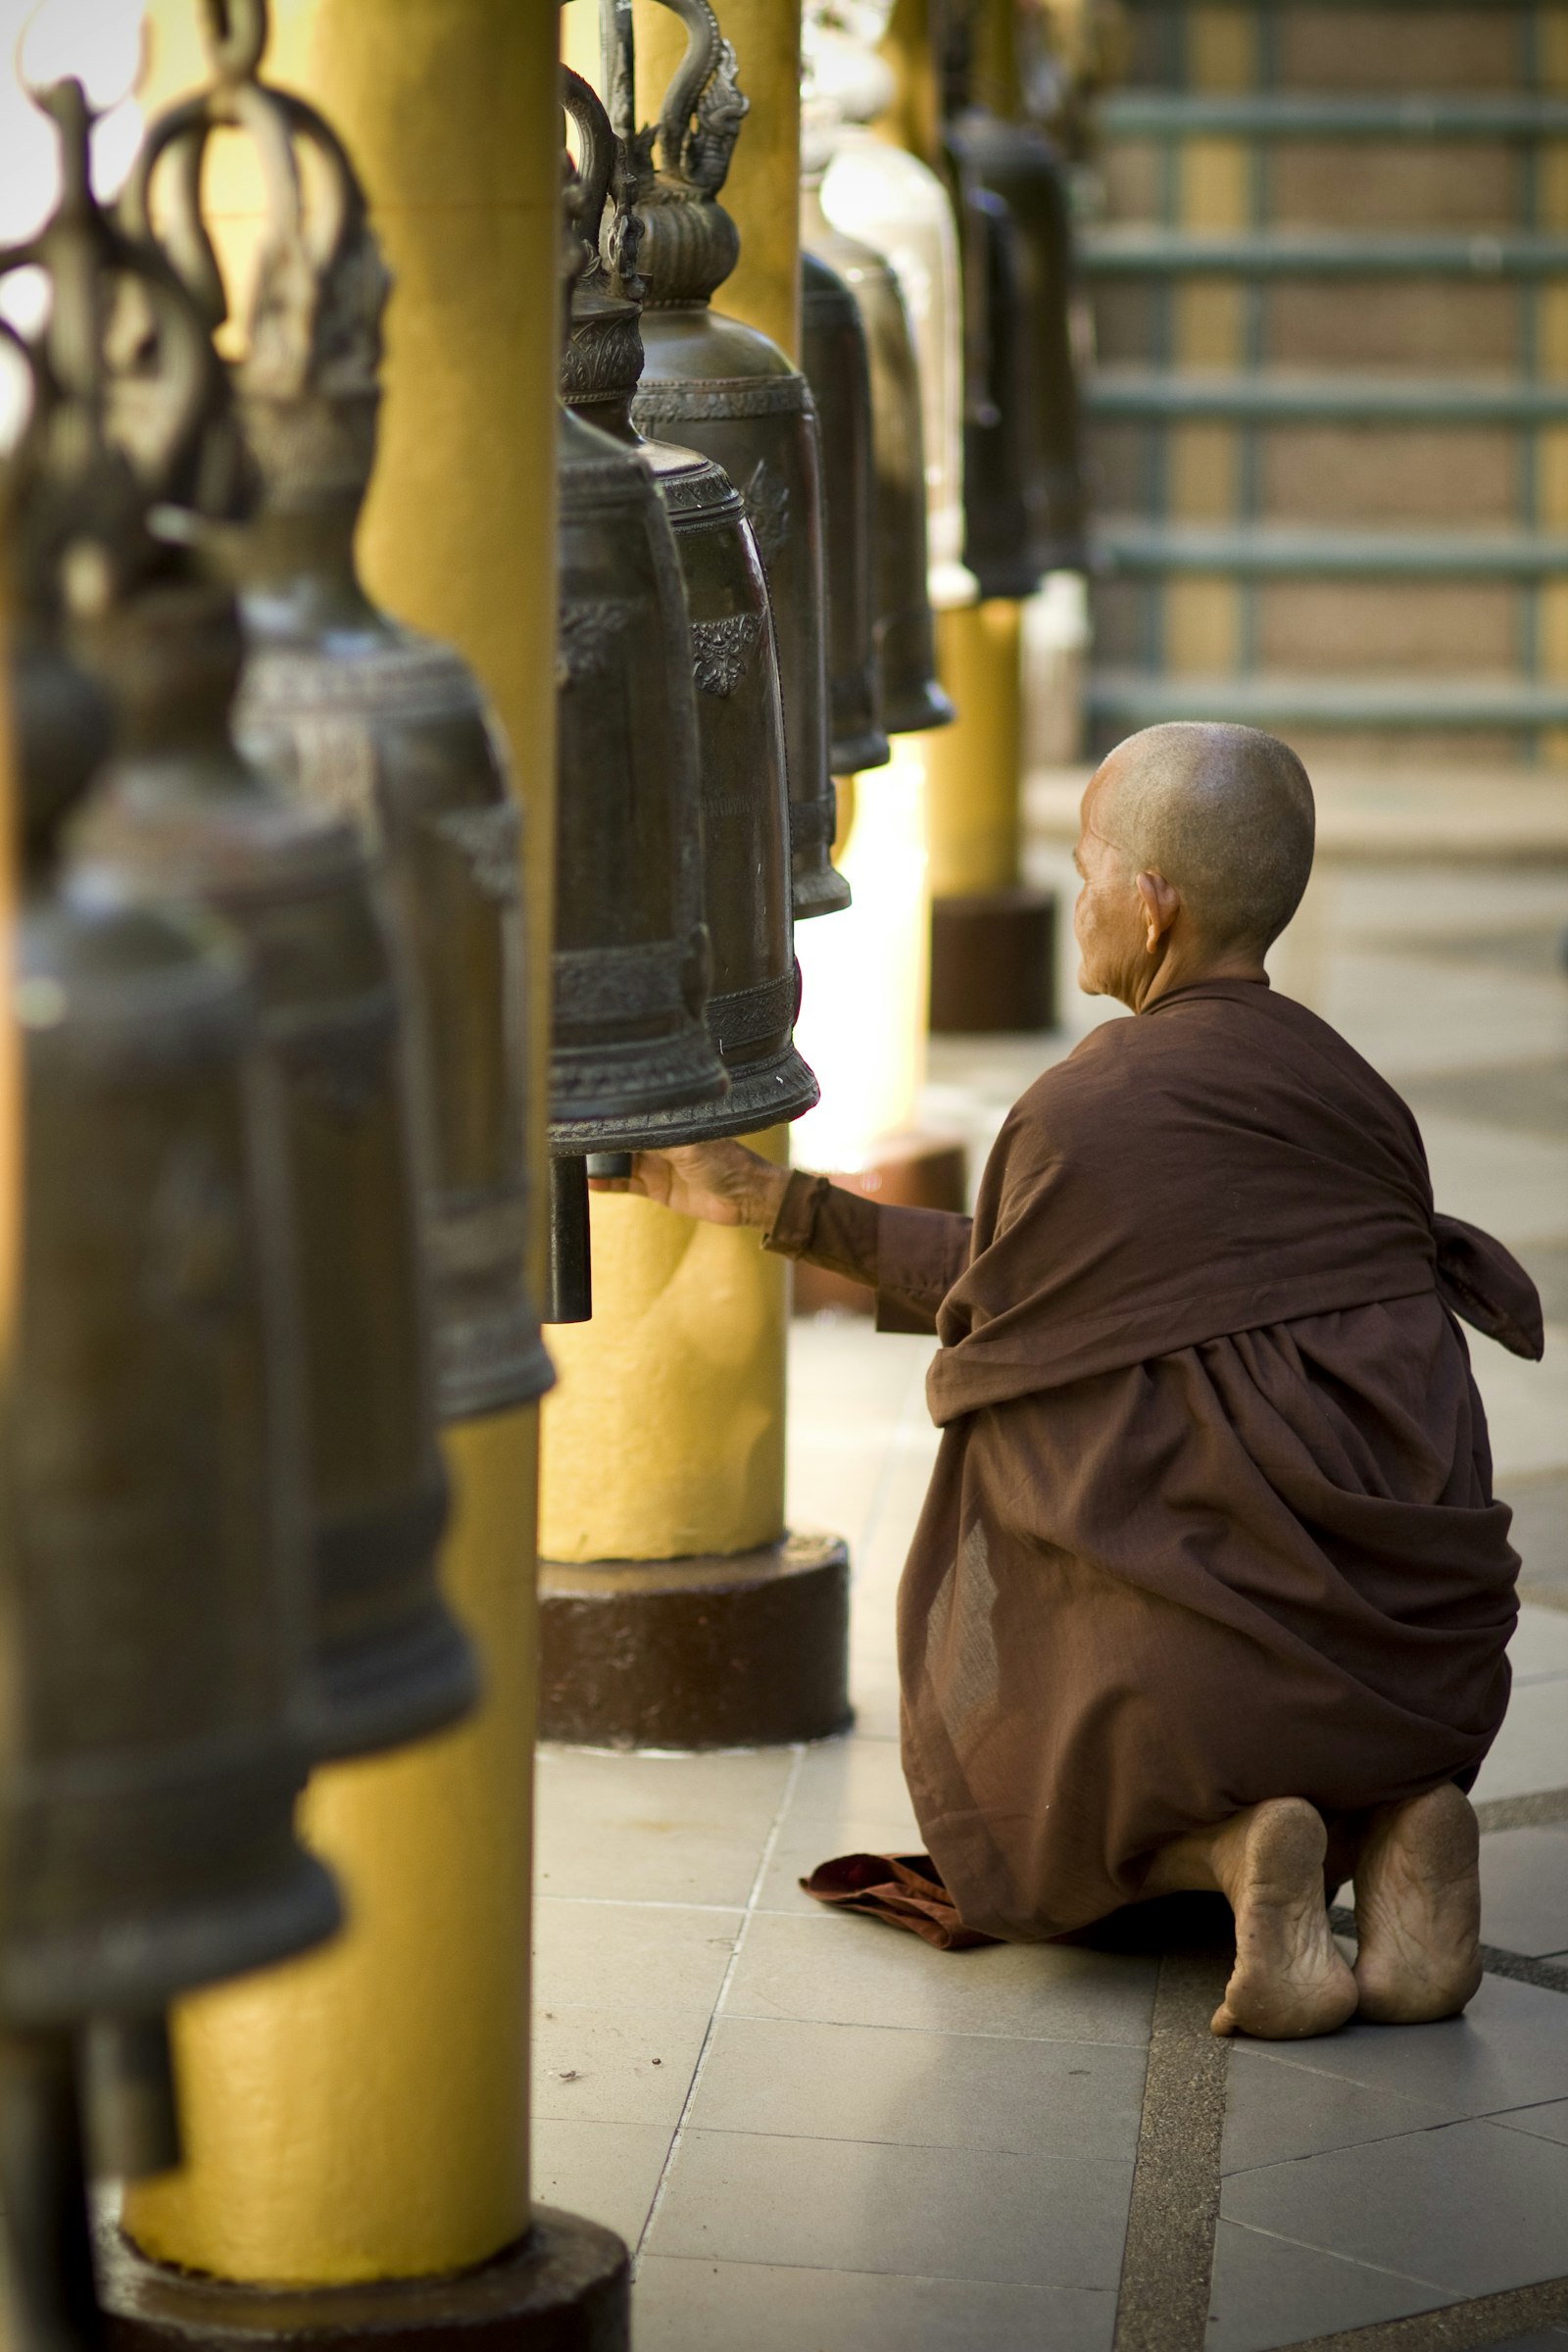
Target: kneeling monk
1210,1590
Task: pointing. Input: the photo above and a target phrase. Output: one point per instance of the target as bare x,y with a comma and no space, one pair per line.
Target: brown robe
1212,1517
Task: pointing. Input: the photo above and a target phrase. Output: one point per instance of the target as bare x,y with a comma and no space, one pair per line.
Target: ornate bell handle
303,248
597,164
85,257
702,111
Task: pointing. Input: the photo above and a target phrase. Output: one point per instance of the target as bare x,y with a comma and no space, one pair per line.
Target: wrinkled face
1110,922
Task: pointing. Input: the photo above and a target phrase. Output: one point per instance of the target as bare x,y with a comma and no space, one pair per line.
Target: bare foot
1418,1910
1291,1979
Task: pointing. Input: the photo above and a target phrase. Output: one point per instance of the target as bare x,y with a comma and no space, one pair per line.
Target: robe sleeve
911,1257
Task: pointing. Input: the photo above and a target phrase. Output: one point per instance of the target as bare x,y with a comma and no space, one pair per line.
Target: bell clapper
568,1281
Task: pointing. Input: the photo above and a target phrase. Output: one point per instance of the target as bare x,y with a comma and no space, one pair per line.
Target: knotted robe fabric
1212,1517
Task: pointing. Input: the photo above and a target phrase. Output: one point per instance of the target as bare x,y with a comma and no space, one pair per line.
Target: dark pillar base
746,1650
562,2288
909,1171
994,963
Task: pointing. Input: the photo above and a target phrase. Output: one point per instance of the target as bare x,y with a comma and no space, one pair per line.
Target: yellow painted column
362,2114
973,768
664,1437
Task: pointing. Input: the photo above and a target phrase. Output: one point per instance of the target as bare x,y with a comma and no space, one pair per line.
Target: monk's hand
724,1183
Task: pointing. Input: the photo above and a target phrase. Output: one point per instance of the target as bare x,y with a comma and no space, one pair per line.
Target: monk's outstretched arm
911,1257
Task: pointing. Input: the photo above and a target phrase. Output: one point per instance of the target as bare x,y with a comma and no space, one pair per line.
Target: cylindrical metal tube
568,1279
130,2109
43,2186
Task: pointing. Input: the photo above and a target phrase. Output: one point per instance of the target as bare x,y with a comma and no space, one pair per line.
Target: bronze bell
180,813
164,1700
1017,184
1000,544
838,368
633,958
740,730
724,389
362,719
912,699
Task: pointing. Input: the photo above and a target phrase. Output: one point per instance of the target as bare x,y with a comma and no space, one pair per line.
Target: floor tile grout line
749,1913
1451,2327
1162,2300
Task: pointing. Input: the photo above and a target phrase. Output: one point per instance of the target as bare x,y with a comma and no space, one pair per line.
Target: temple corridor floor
822,2137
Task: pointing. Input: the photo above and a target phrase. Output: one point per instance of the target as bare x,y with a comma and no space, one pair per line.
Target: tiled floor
825,2137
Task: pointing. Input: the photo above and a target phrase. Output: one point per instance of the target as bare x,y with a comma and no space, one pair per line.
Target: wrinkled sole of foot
1285,1853
1438,1839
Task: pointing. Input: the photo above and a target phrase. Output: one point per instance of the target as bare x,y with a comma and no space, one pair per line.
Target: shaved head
1225,813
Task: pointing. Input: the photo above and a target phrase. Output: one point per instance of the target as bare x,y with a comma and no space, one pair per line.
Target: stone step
1472,188
1137,250
1459,327
1326,628
1133,545
1277,115
1399,472
1323,46
1141,698
1318,398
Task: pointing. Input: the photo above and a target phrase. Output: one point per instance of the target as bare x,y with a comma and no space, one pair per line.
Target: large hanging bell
1016,183
739,727
632,958
838,368
161,1692
180,813
717,386
911,695
362,719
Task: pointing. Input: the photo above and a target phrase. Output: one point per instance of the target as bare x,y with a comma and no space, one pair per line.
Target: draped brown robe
1212,1517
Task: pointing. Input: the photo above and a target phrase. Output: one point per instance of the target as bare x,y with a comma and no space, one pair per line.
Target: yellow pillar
363,2114
664,1437
973,766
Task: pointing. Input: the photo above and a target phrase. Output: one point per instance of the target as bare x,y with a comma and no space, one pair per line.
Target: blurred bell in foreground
180,811
163,1692
357,717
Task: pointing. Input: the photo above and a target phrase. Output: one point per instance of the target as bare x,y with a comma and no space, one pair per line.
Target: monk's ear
1161,902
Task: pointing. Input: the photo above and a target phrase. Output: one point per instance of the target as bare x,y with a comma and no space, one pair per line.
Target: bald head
1223,812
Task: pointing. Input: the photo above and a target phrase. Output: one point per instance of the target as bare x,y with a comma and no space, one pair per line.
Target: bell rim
526,1375
364,1705
921,713
73,1973
766,1094
818,893
850,756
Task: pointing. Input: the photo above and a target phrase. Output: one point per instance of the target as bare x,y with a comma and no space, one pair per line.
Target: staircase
1329,410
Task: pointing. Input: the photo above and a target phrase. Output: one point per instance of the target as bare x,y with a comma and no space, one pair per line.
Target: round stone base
743,1650
994,963
919,1170
562,2288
